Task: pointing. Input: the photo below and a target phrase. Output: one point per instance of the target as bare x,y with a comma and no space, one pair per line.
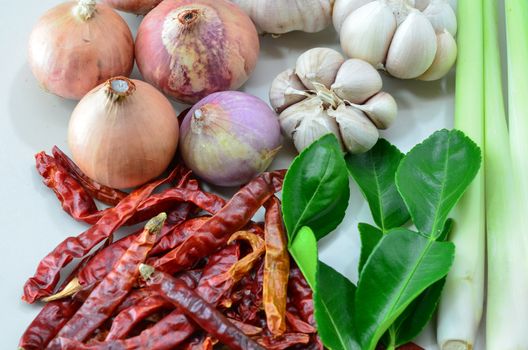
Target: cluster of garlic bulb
283,16
328,94
410,39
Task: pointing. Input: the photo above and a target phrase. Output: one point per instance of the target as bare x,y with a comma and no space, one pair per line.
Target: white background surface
31,219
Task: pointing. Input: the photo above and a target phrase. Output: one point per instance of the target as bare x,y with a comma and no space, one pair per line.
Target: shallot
229,137
190,49
123,133
76,46
139,7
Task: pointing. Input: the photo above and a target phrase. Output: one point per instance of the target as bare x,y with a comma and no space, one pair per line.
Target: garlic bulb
402,37
283,16
328,96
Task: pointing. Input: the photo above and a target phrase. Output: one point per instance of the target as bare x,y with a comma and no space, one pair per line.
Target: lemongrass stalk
507,302
517,35
460,309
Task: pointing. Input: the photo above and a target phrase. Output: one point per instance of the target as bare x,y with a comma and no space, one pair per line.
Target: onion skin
138,7
123,141
70,56
192,48
229,137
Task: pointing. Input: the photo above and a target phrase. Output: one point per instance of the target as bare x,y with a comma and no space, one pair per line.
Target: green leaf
400,268
334,309
434,175
316,189
375,173
370,237
414,319
304,252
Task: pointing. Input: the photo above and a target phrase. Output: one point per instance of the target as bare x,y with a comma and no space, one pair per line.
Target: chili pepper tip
156,223
146,271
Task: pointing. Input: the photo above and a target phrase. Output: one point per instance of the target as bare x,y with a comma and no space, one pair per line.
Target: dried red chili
48,270
128,317
101,264
301,295
105,298
284,341
72,196
214,283
169,332
276,268
125,321
177,235
100,192
47,324
51,318
231,218
299,326
200,342
245,265
198,309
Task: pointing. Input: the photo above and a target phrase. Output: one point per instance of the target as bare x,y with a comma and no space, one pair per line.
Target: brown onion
139,7
76,46
123,133
192,48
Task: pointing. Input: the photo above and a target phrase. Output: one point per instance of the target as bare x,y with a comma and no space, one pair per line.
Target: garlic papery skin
446,54
356,81
367,32
313,127
318,65
441,16
286,90
343,8
76,46
413,47
381,110
358,133
283,16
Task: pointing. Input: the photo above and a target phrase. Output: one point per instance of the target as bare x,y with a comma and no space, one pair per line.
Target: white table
32,221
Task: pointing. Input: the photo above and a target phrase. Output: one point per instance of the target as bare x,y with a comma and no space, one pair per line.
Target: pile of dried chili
210,275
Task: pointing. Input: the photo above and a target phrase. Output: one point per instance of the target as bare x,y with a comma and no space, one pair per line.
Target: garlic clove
278,17
445,58
413,47
286,90
343,8
381,110
421,4
367,33
441,16
357,81
313,127
358,133
292,116
318,65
